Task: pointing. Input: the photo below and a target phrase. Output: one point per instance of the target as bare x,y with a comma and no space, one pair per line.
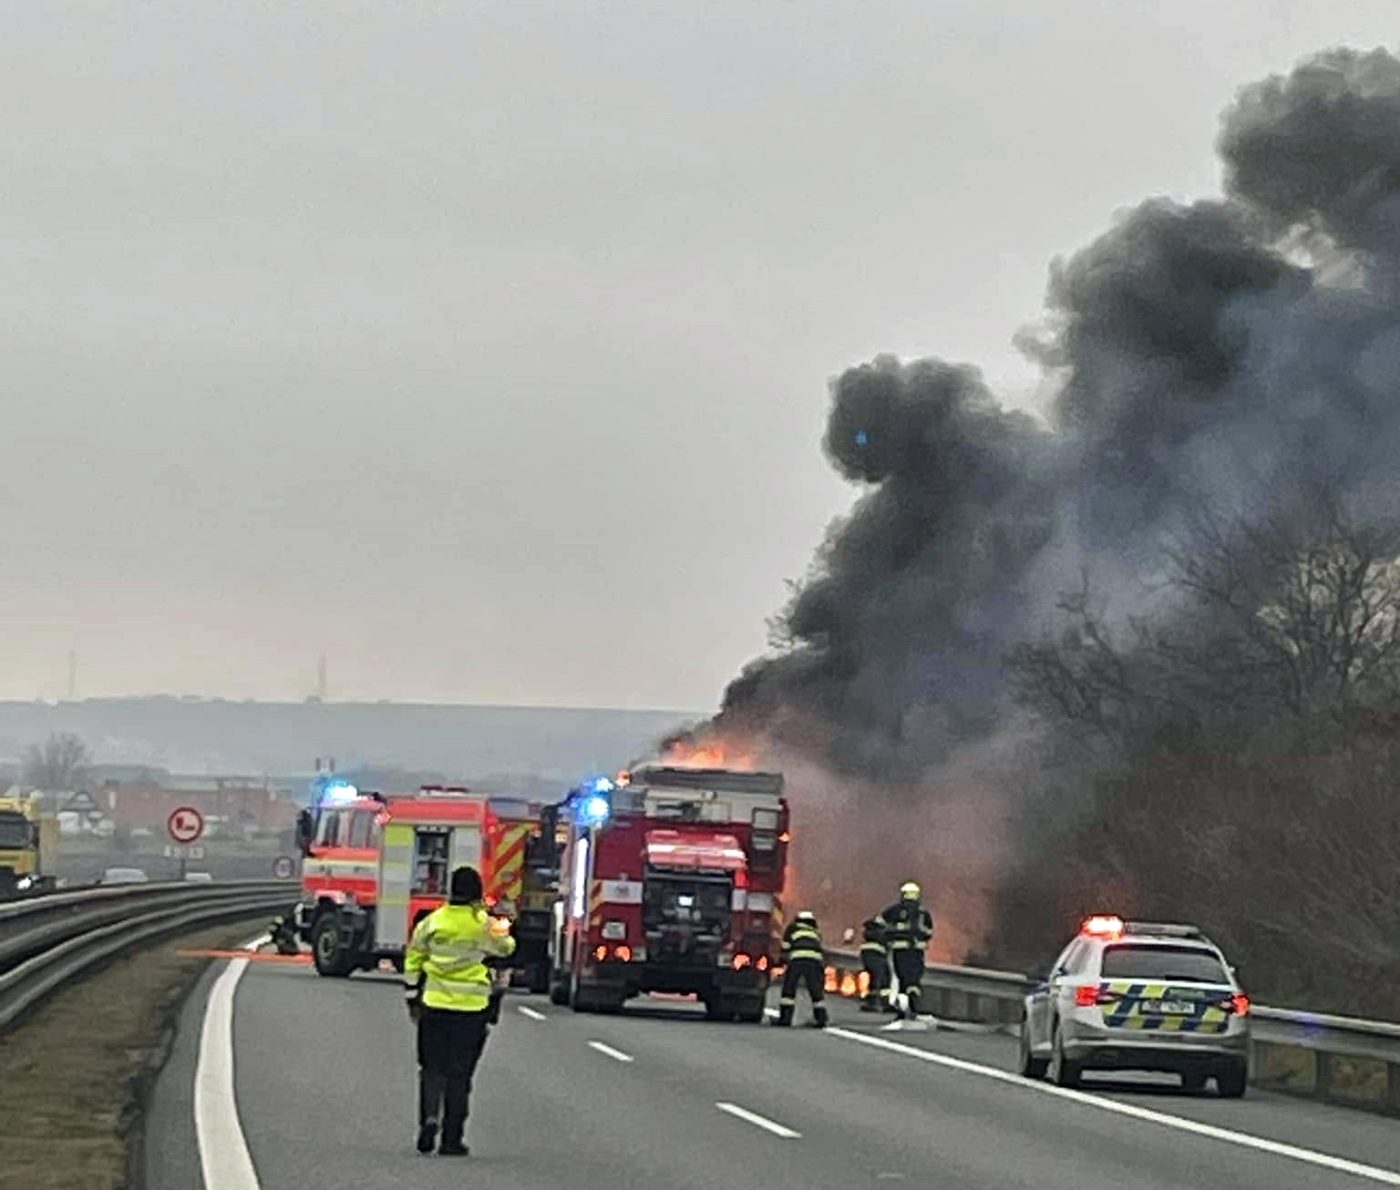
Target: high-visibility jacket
445,963
906,925
802,940
872,935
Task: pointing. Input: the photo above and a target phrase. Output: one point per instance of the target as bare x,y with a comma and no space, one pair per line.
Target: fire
710,753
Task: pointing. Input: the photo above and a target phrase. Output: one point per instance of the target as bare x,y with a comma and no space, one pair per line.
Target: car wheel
1232,1082
1193,1081
1030,1065
1063,1071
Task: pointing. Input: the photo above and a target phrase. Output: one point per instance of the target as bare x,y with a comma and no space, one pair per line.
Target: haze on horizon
484,348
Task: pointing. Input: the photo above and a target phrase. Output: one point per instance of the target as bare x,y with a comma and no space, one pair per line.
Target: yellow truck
28,846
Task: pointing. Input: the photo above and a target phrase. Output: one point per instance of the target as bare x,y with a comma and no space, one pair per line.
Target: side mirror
304,831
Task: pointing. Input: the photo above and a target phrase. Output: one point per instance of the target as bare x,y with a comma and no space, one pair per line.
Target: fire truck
523,881
671,882
374,865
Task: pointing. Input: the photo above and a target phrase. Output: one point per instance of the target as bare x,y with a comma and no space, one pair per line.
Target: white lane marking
533,1014
256,943
1370,1173
223,1149
760,1121
615,1055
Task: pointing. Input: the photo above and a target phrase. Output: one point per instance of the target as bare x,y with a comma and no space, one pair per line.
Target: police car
1138,996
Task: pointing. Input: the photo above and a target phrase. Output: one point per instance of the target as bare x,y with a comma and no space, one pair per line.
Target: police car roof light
1102,925
1164,929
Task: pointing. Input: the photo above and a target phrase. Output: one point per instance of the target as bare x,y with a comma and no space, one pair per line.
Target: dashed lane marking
530,1013
608,1051
758,1121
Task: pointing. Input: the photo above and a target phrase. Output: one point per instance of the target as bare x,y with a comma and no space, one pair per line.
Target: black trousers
808,973
449,1047
877,968
909,968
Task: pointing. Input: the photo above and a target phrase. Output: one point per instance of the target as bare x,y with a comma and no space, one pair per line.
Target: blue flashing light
338,792
595,809
862,438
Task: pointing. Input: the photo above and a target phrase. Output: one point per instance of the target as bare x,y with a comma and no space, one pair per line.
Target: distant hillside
214,736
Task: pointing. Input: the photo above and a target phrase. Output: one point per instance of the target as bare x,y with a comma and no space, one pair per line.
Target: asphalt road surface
323,1078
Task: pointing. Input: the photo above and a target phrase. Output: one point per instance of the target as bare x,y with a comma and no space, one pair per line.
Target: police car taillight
1102,926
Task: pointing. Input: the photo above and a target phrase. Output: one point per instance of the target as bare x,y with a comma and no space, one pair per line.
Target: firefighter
907,928
875,959
449,998
805,960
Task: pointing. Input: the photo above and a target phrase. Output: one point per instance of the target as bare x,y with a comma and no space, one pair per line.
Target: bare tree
59,765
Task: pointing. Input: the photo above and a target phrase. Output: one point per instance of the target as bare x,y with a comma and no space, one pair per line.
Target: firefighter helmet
910,890
806,915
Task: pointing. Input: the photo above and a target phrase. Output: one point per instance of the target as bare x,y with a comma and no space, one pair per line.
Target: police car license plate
1170,1007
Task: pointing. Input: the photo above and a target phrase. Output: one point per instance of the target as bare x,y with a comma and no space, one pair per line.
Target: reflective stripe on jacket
445,962
802,940
906,925
872,937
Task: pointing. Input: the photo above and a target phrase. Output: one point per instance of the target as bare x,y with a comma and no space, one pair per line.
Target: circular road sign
185,824
283,867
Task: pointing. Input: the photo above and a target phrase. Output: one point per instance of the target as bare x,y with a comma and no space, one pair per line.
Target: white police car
1138,996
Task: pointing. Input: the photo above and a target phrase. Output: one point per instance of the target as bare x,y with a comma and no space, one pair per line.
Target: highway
323,1077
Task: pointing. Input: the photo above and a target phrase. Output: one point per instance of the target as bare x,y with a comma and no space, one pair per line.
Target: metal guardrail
45,941
1338,1058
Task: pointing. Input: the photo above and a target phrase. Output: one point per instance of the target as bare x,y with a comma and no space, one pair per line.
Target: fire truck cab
373,865
671,881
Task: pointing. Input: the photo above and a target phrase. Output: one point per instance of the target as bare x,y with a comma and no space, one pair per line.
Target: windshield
14,831
1186,963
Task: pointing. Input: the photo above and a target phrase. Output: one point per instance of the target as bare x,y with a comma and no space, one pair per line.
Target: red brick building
232,806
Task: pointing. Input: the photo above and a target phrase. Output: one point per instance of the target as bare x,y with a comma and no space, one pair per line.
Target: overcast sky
484,347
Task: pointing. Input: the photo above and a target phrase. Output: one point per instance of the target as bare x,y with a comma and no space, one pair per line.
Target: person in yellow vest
449,997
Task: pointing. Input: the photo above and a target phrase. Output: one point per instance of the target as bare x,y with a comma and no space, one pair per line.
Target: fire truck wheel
330,958
580,998
717,1008
750,1011
559,990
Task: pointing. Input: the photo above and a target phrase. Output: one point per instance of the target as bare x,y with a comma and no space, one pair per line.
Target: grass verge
74,1074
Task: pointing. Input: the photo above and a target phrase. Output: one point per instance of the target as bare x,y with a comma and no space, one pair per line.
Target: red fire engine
671,882
374,865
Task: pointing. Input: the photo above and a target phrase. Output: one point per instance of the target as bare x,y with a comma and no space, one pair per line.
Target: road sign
172,851
283,867
185,824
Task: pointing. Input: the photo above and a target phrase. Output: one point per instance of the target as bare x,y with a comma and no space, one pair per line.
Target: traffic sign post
185,825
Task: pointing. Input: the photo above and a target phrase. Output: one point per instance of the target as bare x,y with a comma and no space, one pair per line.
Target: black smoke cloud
1235,354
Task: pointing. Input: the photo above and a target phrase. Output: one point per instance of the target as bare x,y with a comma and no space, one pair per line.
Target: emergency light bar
1164,929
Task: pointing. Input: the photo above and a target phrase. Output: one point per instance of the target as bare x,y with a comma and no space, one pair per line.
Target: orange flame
711,753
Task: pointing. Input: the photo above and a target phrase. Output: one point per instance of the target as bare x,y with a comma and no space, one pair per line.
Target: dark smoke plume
1237,354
